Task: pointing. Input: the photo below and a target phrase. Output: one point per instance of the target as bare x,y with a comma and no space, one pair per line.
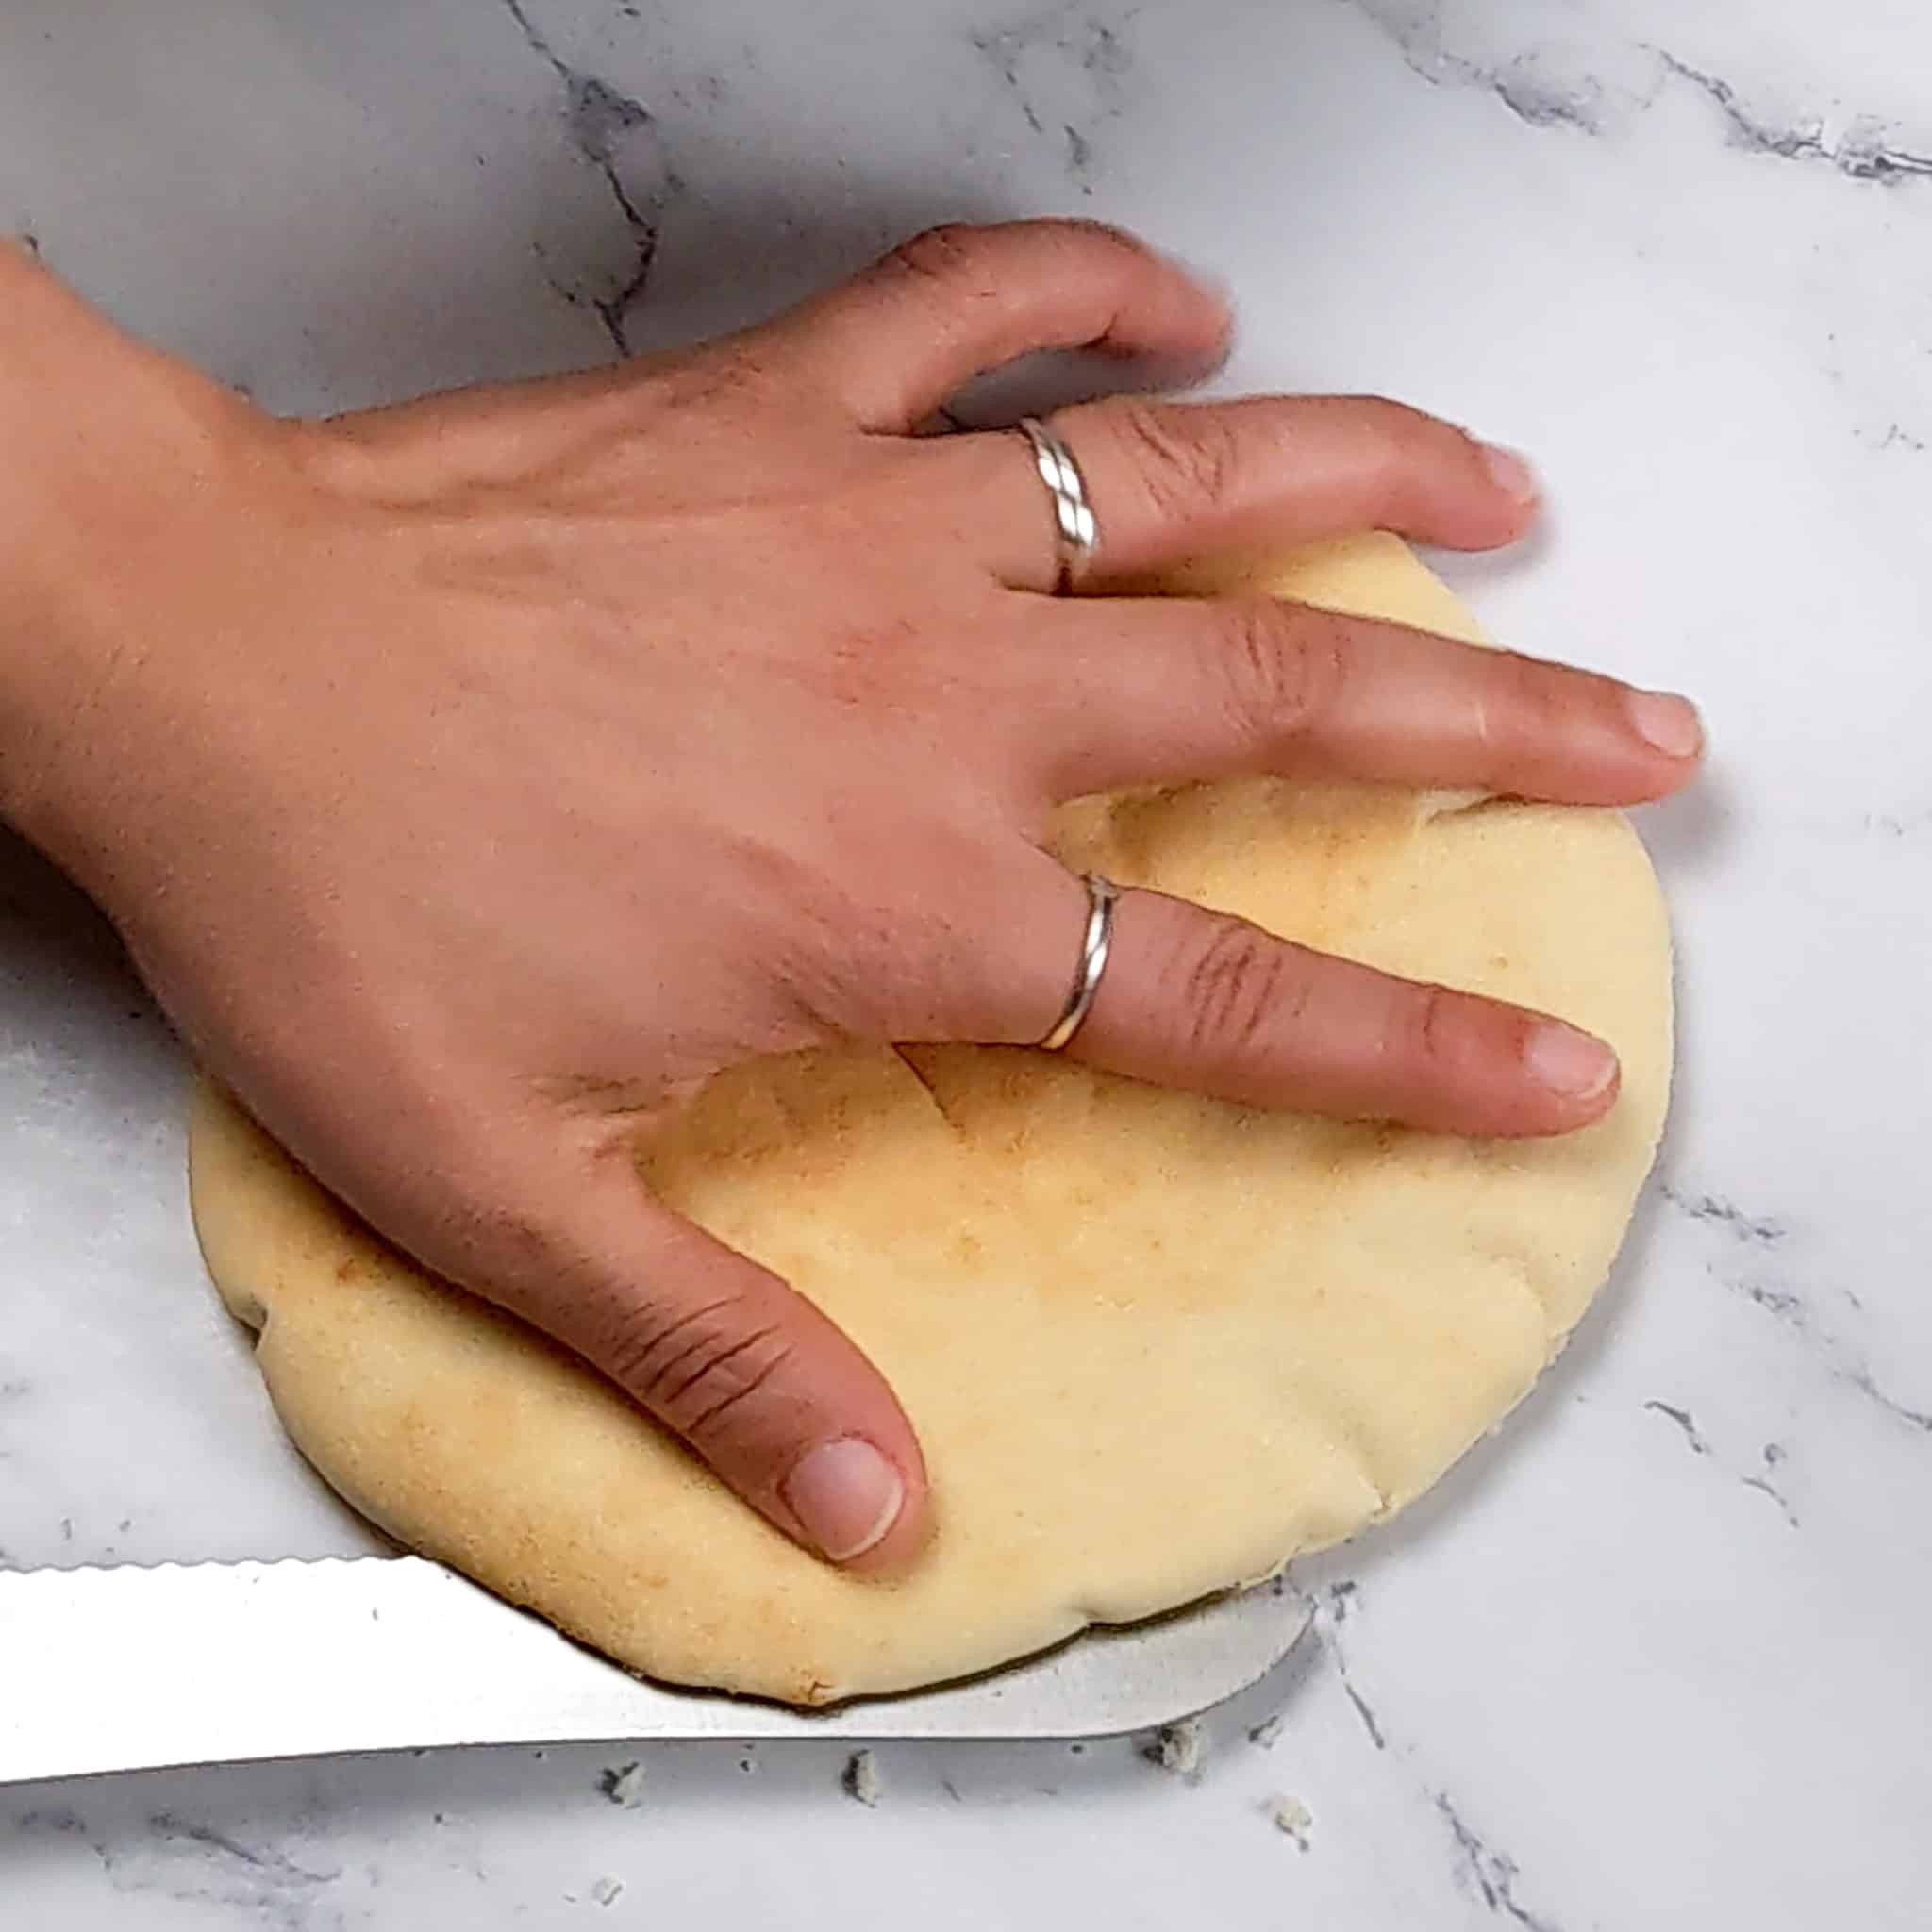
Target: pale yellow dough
1153,1346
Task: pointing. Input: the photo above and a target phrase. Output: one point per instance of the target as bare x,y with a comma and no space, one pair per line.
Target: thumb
768,1391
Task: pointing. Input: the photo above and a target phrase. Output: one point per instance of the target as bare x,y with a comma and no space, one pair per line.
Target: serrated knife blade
127,1669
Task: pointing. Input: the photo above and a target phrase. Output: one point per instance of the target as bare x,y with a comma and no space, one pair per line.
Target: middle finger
1149,691
1172,481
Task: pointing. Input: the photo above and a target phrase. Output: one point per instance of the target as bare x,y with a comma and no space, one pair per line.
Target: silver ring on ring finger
1076,529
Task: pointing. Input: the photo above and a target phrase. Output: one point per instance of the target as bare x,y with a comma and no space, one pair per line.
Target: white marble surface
1658,1655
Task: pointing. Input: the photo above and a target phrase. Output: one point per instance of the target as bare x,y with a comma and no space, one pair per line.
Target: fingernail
1511,472
1569,1062
1671,724
845,1496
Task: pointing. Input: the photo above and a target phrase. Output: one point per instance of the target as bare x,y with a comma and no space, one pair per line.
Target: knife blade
123,1668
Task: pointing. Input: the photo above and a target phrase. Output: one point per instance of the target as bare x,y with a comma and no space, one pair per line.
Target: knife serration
127,1668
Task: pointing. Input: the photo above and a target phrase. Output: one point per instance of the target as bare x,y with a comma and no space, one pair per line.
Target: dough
1153,1346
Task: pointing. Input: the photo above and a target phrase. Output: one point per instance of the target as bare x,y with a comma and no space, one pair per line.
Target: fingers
894,342
1198,1000
1170,481
1145,690
764,1388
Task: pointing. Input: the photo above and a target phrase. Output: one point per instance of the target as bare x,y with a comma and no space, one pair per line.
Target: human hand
473,779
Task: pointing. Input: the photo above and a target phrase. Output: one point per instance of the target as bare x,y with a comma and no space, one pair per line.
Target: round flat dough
1153,1346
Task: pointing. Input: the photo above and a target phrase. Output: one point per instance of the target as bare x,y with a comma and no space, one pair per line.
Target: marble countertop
1656,1656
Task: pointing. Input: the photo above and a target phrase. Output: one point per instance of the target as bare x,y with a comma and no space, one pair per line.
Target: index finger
1201,1000
1215,1004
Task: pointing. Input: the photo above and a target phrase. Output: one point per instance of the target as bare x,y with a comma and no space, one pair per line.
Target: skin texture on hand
473,779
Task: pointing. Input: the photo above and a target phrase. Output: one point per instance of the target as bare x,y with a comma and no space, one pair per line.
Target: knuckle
1101,244
701,1368
1398,422
1521,707
1394,439
1188,463
1427,1041
1283,668
1237,986
952,256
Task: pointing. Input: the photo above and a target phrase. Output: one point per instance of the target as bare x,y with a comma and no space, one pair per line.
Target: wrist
106,449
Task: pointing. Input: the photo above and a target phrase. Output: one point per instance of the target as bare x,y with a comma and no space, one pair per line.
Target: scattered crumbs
1079,1750
746,1764
439,1817
607,1890
623,1785
1774,1454
1178,1747
1265,1734
1291,1818
862,1778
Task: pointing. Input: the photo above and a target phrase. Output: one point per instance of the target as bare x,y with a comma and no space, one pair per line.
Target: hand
473,779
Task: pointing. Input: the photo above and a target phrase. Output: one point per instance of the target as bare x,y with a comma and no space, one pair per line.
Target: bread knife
127,1668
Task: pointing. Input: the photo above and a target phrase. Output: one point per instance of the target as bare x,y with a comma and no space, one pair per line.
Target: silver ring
1076,530
1094,948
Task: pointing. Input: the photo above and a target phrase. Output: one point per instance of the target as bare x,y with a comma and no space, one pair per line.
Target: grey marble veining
618,137
1597,83
1654,1656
